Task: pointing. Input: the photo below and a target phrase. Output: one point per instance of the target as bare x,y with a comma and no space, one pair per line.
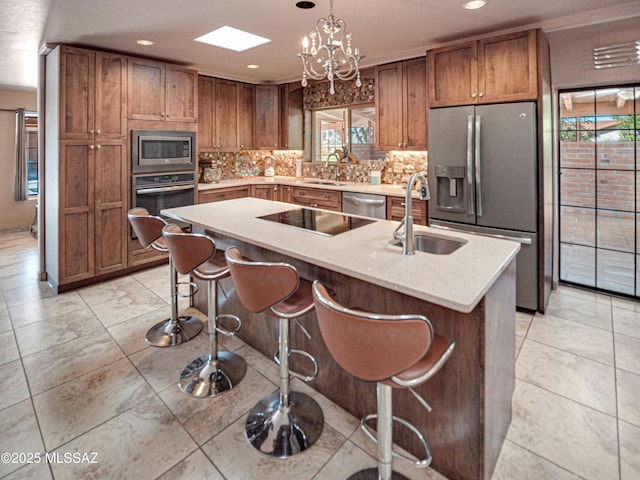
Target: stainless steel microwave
162,151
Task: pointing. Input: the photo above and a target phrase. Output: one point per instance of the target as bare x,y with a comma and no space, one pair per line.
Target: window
350,128
31,130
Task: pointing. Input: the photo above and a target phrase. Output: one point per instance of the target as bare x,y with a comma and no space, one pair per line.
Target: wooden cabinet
395,210
226,114
161,91
267,192
86,186
491,70
286,193
219,194
206,112
246,116
317,198
291,121
267,117
401,105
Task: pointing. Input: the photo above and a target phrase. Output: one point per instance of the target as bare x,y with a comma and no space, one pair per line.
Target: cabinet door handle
91,131
98,147
98,132
481,94
90,147
473,95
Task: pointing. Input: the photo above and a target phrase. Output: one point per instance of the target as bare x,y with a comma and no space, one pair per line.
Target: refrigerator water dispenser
450,188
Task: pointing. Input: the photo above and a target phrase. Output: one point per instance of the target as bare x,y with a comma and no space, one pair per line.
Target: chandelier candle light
332,52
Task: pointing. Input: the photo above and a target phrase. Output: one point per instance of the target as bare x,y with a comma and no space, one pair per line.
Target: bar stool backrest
148,228
188,250
369,346
261,285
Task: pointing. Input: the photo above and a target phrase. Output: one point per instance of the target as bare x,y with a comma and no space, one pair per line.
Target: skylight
232,39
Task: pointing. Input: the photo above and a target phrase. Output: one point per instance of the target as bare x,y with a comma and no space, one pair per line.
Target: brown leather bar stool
395,351
216,371
176,329
284,423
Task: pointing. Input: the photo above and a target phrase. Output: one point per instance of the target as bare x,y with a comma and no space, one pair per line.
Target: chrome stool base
372,474
170,333
203,378
281,432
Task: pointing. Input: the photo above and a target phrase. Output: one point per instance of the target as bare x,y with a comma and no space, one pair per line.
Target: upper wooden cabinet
267,117
246,116
291,117
206,112
401,105
92,95
491,70
161,91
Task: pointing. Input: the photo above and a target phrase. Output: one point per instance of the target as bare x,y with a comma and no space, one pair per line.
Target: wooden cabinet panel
111,96
491,70
317,198
181,94
219,194
267,115
267,192
246,115
146,90
206,106
401,105
226,113
76,160
286,194
395,210
77,254
77,80
291,118
453,75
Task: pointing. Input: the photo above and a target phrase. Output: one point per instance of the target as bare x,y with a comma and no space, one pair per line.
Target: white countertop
457,281
383,189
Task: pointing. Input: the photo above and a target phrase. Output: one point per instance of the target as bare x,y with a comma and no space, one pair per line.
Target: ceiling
384,30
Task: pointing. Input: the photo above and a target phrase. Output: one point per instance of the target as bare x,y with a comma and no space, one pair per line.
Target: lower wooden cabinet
317,198
395,210
219,194
286,193
267,192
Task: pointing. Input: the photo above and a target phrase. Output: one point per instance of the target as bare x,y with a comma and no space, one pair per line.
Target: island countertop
457,281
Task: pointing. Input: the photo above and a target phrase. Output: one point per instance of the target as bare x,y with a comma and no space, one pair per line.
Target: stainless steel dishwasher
365,204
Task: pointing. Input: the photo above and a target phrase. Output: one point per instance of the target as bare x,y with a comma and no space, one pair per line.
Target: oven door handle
174,188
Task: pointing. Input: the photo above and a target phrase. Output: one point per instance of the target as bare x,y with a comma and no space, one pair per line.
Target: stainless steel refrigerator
483,179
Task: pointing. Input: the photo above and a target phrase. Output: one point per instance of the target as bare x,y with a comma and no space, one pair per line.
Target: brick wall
613,183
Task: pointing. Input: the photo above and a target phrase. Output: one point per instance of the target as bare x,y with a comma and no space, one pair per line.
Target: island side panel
499,364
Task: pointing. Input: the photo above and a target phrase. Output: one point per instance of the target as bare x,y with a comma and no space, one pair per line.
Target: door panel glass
599,188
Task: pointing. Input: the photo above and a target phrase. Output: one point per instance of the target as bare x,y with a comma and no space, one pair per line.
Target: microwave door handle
472,201
478,163
175,188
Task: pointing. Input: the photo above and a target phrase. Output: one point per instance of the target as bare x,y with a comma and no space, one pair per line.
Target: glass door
599,211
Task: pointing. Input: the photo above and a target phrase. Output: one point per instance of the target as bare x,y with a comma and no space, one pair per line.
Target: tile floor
77,377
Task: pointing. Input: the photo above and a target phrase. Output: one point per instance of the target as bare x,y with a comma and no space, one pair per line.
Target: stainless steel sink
323,182
434,243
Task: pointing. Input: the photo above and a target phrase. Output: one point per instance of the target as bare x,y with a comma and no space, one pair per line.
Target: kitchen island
469,296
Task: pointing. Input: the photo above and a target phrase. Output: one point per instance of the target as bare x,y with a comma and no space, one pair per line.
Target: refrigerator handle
470,193
478,131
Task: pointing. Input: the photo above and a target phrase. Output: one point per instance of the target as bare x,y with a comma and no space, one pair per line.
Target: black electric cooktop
324,223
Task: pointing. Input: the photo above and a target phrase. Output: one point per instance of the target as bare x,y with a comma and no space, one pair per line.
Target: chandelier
330,54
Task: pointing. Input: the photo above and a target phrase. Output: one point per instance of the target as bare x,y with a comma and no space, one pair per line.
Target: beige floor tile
19,434
518,463
628,353
266,366
33,471
204,418
626,322
589,312
519,342
347,461
523,321
127,306
130,334
75,407
574,337
28,293
629,451
5,322
70,360
626,304
105,291
56,330
13,384
585,381
8,348
40,310
628,396
235,458
195,467
582,294
573,436
161,367
143,442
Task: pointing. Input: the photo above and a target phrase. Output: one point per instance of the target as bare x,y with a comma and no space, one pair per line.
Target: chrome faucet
326,164
407,237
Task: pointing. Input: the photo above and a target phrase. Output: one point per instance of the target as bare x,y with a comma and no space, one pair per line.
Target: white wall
13,215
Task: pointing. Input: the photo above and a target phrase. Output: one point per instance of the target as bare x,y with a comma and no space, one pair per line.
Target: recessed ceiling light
232,39
474,4
305,4
253,66
146,43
